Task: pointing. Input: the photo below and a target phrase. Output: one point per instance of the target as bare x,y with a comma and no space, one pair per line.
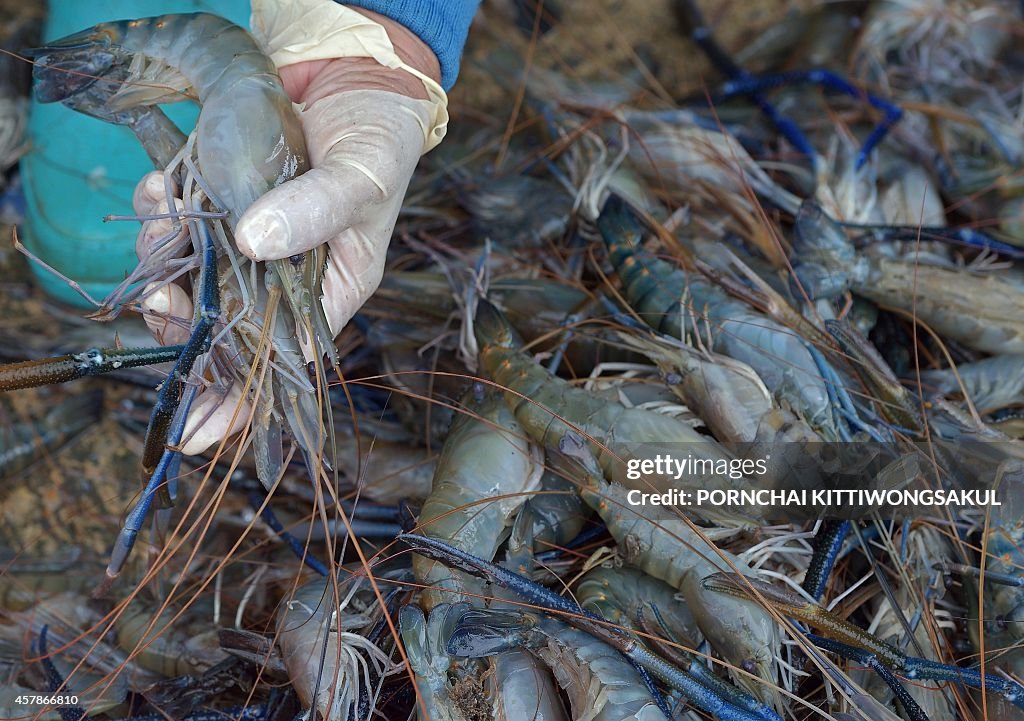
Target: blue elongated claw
136,517
828,542
360,527
532,592
701,34
857,655
892,113
935,671
913,233
57,682
296,546
586,536
167,423
1015,580
169,398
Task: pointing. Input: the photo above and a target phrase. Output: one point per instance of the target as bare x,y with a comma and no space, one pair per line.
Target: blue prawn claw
533,593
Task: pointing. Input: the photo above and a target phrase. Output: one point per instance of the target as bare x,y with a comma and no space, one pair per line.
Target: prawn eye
748,665
478,392
296,259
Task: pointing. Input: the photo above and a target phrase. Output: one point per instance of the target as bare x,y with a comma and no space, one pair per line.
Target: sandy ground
597,38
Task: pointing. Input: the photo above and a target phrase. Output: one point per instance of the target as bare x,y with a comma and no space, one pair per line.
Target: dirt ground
595,39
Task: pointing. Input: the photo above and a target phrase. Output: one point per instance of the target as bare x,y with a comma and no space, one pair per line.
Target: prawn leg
93,362
895,401
839,401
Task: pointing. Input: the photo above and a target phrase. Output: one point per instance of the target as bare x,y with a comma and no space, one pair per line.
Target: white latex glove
366,126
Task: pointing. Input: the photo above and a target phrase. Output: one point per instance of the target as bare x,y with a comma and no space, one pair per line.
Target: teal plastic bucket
81,169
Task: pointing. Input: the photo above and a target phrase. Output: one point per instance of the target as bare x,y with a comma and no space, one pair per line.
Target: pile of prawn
440,517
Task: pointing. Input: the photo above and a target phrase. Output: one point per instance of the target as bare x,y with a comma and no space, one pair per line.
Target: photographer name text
824,498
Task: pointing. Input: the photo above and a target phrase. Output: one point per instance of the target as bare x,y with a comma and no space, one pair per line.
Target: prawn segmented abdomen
249,138
485,473
667,548
523,690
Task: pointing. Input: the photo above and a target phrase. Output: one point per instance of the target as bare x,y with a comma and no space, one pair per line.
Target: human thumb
363,146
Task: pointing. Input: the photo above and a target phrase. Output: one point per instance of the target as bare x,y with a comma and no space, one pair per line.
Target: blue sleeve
441,24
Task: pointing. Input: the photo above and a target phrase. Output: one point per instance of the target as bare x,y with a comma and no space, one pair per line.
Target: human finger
167,310
213,417
364,146
151,190
160,232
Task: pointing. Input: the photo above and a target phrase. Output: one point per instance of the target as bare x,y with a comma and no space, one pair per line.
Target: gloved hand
366,126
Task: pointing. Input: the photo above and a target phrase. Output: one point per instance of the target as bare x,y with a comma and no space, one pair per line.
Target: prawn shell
666,547
486,456
982,311
600,683
523,690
